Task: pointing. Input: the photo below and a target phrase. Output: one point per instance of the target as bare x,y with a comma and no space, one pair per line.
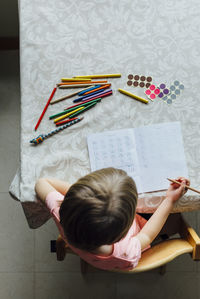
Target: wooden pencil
188,187
67,96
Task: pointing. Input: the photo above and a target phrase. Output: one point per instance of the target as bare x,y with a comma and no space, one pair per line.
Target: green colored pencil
73,108
83,110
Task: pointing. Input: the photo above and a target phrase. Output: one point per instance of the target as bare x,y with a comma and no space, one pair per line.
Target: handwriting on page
148,154
115,149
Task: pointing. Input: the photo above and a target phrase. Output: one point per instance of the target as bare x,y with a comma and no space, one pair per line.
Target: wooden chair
155,257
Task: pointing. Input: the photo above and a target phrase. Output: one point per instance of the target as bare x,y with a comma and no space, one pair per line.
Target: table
69,38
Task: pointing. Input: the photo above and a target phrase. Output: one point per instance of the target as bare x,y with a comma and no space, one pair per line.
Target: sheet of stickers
152,91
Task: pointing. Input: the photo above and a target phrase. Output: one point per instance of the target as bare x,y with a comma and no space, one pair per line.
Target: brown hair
99,208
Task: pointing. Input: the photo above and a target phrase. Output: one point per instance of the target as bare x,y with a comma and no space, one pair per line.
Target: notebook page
161,155
115,149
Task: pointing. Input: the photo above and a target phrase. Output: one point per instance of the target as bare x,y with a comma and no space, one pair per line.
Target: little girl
97,217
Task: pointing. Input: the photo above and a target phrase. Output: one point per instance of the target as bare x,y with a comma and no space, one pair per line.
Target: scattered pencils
90,92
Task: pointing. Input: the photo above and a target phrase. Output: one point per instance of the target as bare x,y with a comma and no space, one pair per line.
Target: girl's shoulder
54,200
104,250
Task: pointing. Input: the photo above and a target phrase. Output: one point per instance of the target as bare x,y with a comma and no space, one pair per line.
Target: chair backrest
158,255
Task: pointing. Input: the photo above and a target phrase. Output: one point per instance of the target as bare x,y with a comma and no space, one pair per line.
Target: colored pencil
45,108
88,89
83,110
89,96
93,92
98,88
67,114
83,103
133,96
99,95
64,121
42,137
187,187
74,79
100,76
80,79
76,85
80,85
72,108
67,96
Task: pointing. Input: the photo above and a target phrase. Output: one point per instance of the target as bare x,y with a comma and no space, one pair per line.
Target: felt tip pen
133,96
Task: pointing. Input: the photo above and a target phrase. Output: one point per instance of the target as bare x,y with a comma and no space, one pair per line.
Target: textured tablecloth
68,38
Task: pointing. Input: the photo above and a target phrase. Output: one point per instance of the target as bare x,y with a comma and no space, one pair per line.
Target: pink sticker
152,87
148,92
156,91
152,96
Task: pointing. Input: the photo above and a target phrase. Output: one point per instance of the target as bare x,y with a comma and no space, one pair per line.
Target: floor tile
185,262
17,240
16,286
45,261
75,286
146,285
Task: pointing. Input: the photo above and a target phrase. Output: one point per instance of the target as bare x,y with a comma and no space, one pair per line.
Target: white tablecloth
67,38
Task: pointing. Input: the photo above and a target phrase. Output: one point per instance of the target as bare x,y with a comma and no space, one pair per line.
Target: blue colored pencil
88,89
91,96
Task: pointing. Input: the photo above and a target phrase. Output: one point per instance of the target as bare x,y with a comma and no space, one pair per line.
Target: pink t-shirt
126,253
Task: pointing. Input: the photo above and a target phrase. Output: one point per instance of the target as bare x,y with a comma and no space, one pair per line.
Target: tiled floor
28,270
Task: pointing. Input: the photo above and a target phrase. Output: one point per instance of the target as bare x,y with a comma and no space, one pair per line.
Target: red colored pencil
45,108
65,121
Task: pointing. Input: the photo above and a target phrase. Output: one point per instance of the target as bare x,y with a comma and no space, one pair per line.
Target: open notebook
149,154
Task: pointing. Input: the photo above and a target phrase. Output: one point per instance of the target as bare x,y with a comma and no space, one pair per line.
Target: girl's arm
44,186
154,225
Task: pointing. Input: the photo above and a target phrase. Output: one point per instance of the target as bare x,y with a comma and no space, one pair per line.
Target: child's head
99,208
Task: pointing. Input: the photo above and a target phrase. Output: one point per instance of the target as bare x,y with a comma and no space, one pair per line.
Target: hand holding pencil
177,188
186,187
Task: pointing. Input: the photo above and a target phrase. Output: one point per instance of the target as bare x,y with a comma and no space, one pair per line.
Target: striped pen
42,137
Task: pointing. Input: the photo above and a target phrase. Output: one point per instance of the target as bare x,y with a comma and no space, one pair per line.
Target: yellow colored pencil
76,85
99,76
74,79
67,114
133,96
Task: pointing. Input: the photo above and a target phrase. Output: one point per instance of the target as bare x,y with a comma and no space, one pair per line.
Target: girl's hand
175,191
